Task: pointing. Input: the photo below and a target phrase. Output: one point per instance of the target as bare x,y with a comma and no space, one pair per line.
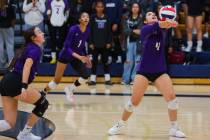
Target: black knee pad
41,106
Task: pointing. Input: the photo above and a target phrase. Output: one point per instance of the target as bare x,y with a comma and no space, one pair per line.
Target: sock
122,122
174,124
27,129
93,78
199,43
189,43
107,77
53,54
4,125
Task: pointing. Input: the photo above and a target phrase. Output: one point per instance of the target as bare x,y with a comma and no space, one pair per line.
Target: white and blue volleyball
167,12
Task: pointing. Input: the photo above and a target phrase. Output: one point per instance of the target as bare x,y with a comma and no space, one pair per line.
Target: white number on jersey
80,42
157,46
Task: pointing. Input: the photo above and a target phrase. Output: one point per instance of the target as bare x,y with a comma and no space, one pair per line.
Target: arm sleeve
150,29
27,7
41,6
127,31
33,54
68,42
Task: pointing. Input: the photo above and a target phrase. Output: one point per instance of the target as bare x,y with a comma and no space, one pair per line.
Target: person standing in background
7,23
58,12
194,10
76,8
113,9
131,29
100,42
34,10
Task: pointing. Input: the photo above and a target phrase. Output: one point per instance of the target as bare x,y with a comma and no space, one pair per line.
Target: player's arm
168,24
26,72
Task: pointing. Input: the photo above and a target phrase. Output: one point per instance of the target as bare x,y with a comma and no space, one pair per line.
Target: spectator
7,23
100,42
207,17
132,31
194,9
57,12
114,13
77,7
34,10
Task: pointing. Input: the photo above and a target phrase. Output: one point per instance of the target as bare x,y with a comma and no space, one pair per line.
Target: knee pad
41,106
52,84
129,106
173,104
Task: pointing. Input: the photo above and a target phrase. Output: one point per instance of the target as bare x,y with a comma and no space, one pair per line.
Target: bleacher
199,68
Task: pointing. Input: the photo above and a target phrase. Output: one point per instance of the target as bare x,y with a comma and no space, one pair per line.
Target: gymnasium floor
97,108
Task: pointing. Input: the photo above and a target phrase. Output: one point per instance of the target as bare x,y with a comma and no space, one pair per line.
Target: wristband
24,85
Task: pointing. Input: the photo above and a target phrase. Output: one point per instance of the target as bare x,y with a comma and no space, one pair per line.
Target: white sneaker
176,132
27,136
199,49
69,93
188,49
117,129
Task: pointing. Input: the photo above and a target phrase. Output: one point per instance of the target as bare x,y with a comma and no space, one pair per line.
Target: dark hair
28,34
144,16
80,15
130,14
97,2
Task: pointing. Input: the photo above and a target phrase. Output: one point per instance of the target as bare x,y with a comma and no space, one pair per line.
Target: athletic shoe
53,61
91,83
176,132
188,49
198,49
108,83
117,129
27,136
69,93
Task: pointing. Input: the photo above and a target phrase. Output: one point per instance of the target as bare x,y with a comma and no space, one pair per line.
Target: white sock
93,78
199,43
189,43
27,129
174,124
53,54
107,77
72,87
122,122
4,125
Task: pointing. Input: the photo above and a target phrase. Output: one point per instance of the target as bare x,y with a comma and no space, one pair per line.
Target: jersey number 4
157,46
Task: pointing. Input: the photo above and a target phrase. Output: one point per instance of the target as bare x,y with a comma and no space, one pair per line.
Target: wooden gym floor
97,108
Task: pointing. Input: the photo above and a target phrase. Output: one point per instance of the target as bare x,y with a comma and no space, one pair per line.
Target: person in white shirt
57,11
34,10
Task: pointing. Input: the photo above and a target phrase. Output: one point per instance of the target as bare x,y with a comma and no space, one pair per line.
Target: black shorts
77,65
11,84
151,76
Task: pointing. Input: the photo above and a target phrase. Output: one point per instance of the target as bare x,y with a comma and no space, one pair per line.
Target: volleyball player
152,68
74,52
14,86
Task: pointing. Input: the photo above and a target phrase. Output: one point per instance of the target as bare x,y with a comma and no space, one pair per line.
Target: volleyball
167,12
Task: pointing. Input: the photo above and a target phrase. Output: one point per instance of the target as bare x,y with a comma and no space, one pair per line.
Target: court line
129,94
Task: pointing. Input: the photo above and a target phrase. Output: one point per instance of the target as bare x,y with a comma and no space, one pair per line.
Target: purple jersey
32,51
75,42
153,44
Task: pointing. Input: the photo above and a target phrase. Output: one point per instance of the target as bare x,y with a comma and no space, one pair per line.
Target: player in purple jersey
74,52
152,68
14,86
